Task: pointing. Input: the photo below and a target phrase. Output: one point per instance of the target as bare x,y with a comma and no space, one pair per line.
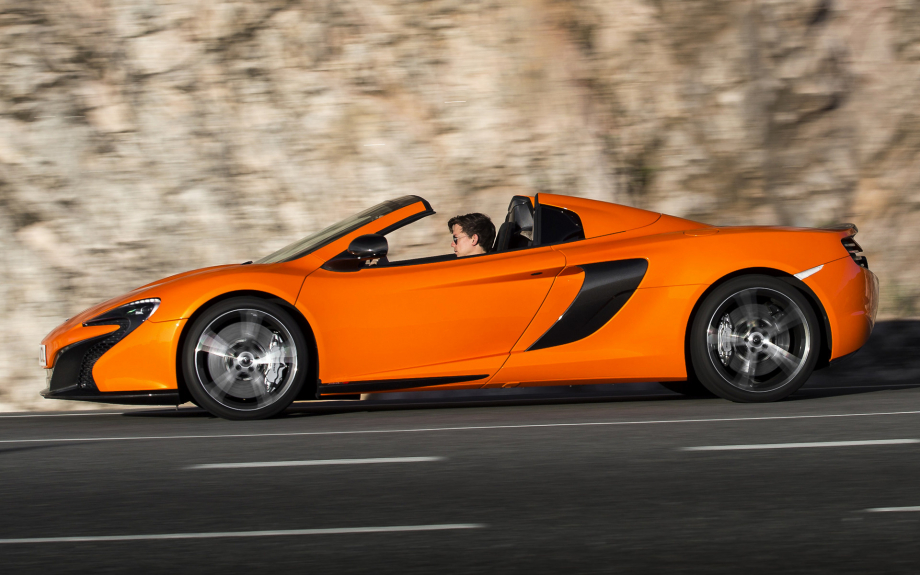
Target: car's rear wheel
754,339
244,358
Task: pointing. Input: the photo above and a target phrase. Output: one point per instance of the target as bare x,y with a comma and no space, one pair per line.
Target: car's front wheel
754,339
244,358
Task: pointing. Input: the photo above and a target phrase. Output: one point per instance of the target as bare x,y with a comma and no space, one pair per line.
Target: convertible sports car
575,291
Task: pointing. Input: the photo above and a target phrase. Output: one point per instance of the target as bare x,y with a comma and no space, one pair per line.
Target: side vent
854,249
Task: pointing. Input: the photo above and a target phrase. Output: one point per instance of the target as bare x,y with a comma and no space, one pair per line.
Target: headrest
520,212
523,217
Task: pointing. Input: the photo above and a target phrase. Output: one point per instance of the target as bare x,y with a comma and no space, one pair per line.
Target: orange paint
643,342
850,297
480,315
460,316
145,359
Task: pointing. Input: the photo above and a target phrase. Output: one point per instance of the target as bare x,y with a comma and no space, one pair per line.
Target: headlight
132,314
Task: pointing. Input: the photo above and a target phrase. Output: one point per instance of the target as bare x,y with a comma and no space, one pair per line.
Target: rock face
140,138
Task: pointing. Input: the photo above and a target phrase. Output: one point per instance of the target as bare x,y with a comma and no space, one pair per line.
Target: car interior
516,232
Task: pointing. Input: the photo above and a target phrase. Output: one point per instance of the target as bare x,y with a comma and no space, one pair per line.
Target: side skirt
393,384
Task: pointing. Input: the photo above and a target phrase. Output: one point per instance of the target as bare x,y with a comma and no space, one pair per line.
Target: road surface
614,480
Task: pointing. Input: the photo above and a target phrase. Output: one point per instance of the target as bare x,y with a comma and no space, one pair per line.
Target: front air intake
854,249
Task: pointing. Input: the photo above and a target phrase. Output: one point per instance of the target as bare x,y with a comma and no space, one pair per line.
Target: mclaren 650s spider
574,291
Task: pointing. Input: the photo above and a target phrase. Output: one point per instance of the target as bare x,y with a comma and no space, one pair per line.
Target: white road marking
220,534
800,445
469,428
314,462
812,389
93,413
892,509
882,387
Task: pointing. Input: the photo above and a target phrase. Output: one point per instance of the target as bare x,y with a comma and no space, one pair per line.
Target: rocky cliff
141,138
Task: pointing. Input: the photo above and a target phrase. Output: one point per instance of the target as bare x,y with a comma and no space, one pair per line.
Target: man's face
463,244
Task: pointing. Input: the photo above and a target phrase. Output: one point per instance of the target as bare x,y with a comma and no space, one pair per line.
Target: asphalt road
549,483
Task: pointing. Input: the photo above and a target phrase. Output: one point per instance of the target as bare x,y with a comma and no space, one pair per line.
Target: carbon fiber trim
151,397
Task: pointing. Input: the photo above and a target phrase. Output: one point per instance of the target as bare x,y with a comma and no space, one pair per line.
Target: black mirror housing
368,247
360,251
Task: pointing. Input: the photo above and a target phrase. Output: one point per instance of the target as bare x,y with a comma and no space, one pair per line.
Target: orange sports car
574,291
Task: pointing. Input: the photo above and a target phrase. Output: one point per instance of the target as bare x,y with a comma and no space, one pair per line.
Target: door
458,317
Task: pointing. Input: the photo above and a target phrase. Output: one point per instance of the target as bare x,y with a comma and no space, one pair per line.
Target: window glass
325,237
421,239
558,226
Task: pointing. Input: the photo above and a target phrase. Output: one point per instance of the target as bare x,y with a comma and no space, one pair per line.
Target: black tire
754,339
245,358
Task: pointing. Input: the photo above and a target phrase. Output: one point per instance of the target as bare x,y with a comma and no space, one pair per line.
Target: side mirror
368,247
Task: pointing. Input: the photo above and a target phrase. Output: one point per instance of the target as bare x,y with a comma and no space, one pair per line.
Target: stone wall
141,138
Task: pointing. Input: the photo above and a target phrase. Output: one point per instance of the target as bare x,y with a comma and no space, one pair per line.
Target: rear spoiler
850,229
845,230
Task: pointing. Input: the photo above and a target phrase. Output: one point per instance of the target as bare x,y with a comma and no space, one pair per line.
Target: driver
473,234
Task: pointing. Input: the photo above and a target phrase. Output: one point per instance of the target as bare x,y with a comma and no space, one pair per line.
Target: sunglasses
457,239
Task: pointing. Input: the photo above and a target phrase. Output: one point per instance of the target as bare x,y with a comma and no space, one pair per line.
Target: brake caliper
726,331
275,370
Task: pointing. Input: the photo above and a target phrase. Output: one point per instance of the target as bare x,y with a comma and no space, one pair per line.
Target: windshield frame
328,235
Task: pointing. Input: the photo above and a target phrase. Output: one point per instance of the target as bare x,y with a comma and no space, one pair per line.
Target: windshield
325,237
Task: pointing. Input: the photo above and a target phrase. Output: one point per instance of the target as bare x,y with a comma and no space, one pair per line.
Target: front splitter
151,397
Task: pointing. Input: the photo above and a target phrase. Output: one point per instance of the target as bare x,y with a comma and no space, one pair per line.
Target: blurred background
143,138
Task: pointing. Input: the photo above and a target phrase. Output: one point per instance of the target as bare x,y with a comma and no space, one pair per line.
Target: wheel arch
824,354
309,390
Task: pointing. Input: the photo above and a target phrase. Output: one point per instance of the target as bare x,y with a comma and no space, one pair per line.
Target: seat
517,230
503,239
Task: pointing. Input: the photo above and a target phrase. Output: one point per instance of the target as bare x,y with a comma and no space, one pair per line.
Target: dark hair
476,224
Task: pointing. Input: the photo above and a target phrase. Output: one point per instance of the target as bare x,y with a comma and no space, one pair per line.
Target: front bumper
131,367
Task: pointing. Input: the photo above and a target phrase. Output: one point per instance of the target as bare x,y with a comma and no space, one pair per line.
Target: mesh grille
85,379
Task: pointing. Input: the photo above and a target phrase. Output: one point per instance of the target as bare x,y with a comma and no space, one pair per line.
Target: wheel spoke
261,394
713,338
736,340
745,298
786,361
224,382
747,307
278,355
264,337
250,324
787,321
213,344
745,370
